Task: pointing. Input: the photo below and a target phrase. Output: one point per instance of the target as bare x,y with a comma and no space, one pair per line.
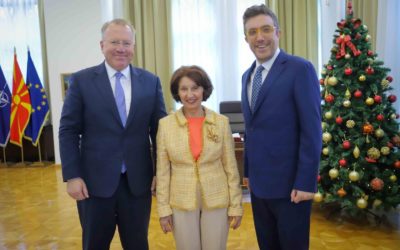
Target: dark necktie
257,83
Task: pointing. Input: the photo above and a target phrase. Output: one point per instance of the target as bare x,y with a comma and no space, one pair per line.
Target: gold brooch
212,135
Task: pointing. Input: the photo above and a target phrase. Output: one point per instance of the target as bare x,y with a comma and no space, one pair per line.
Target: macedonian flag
20,106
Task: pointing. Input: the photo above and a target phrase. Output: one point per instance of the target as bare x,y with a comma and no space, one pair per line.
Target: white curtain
210,34
388,42
330,12
19,28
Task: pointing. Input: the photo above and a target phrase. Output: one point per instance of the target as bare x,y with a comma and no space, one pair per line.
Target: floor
36,213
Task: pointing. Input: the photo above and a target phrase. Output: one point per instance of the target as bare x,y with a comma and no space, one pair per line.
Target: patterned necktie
120,100
257,82
120,97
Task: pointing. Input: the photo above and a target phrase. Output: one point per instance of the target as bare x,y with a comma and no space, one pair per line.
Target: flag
40,105
20,106
5,109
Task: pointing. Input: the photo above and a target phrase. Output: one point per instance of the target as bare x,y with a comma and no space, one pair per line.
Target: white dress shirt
125,82
267,66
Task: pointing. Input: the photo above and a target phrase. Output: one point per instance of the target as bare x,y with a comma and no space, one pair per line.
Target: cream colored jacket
178,172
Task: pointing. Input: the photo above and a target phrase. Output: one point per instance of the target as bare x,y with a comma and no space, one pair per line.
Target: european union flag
39,101
5,110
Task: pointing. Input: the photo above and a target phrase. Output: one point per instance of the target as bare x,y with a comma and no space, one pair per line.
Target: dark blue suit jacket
283,136
93,141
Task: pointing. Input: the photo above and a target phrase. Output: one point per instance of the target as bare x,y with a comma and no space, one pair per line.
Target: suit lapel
270,80
104,87
136,80
245,98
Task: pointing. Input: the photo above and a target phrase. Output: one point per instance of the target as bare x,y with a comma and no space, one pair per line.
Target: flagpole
22,154
39,163
40,152
4,156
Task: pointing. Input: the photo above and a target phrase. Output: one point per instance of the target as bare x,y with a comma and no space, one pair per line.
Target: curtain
151,19
298,21
367,11
20,29
388,40
210,34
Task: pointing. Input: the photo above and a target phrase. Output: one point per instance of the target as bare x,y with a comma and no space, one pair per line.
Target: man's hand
235,221
246,182
296,196
153,186
76,188
166,224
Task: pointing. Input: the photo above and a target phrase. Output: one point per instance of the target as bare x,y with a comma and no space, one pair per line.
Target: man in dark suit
281,106
109,114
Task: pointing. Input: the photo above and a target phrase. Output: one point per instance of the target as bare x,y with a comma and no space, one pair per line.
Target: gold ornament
354,175
332,81
393,178
347,56
362,78
376,203
350,124
333,173
385,150
393,116
318,197
326,137
325,151
347,94
373,153
323,72
379,133
346,103
324,125
356,152
362,203
370,101
328,115
385,83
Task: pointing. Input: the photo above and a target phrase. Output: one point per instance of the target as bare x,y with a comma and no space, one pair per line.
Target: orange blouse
195,135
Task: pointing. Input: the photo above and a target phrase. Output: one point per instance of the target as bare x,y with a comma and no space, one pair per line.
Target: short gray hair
117,21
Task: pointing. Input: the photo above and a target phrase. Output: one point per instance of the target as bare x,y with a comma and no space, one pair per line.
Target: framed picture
65,81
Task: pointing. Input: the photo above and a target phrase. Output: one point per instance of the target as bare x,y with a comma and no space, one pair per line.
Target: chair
233,110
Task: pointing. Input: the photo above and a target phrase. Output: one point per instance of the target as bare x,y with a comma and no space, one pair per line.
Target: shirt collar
268,64
111,71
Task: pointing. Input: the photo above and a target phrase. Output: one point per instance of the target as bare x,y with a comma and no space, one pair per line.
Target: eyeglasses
264,30
125,44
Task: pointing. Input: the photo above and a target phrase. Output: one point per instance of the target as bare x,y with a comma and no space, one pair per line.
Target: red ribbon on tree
342,41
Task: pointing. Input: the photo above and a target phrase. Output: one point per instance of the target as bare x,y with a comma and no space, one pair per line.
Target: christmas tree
360,160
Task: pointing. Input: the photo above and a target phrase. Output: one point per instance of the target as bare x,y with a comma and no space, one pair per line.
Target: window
19,28
210,34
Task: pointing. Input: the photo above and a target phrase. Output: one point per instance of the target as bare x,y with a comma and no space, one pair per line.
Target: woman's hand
166,224
235,221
